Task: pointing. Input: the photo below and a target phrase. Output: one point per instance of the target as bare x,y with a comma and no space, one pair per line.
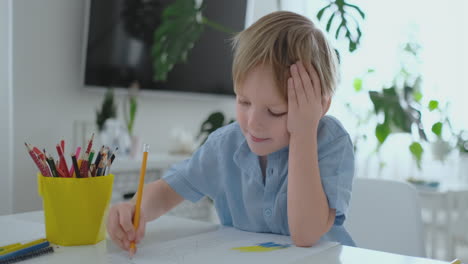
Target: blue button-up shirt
225,170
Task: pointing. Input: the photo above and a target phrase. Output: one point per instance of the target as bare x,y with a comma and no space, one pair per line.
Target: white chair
386,215
457,222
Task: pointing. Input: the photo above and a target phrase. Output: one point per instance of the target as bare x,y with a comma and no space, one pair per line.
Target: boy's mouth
256,139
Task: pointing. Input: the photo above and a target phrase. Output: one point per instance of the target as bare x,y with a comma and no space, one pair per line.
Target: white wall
259,8
5,108
48,94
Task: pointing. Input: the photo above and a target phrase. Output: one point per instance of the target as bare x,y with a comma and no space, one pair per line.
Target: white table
169,228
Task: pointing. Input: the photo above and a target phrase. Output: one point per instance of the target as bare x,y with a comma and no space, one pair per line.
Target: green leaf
381,132
180,28
337,32
433,104
400,118
377,101
357,9
417,151
329,23
108,109
321,11
341,9
352,46
357,84
437,129
214,121
417,96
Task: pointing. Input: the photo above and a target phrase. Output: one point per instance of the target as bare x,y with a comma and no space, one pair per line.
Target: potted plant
214,121
108,109
130,110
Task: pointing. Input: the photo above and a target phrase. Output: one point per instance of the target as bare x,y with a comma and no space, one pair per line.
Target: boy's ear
326,102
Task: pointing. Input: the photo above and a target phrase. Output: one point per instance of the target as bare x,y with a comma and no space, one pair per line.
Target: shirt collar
248,161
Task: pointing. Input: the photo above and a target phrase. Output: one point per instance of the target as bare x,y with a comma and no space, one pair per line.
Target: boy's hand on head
306,105
120,225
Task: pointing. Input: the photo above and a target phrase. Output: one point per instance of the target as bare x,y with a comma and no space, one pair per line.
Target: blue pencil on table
28,251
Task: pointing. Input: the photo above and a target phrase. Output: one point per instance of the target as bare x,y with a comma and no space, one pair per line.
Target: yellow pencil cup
75,209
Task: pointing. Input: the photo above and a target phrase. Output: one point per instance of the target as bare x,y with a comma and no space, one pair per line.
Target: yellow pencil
18,246
136,217
456,261
3,248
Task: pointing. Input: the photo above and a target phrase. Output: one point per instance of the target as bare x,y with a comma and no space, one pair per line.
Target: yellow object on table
75,209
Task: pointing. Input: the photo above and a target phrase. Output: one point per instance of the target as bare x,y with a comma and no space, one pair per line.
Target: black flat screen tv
118,44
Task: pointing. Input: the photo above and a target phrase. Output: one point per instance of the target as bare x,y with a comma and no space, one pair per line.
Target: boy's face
262,112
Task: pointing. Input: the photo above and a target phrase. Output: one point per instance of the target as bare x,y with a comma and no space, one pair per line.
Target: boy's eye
276,114
244,102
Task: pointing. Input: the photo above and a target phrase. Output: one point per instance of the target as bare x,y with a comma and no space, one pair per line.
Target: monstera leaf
341,10
214,121
181,26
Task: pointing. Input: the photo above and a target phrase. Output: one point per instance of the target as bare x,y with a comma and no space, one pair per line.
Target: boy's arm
309,215
158,198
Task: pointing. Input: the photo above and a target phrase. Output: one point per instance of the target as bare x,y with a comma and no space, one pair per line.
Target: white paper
217,247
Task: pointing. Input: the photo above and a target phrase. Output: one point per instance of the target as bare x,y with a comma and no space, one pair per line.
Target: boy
283,167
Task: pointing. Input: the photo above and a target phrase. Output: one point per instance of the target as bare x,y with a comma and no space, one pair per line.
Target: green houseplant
399,108
214,121
108,109
130,107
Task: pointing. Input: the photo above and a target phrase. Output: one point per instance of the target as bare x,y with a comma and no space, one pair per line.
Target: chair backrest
386,215
458,209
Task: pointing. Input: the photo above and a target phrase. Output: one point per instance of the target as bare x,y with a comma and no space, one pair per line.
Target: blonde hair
279,40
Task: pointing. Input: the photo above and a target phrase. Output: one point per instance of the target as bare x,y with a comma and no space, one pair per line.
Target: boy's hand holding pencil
120,227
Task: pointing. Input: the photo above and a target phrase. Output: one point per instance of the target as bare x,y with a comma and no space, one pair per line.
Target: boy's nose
255,122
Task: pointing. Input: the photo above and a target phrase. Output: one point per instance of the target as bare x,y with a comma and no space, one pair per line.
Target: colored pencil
91,155
63,163
72,169
90,144
52,167
75,166
84,166
38,163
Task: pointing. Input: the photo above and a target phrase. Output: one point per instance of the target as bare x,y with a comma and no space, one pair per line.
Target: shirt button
268,212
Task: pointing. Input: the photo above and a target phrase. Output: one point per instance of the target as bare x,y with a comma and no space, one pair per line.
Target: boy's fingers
117,241
126,223
297,84
306,80
122,245
113,226
292,99
315,80
119,233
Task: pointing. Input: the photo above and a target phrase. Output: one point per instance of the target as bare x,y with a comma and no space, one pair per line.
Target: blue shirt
225,170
